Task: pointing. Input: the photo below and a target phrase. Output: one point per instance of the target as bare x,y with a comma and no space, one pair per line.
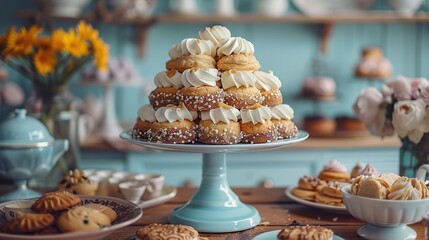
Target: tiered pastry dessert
213,92
373,65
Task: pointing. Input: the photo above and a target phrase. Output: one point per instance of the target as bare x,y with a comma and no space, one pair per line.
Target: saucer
273,235
167,193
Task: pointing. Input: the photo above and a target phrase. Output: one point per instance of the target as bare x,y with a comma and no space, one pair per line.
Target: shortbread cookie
77,183
308,195
104,209
373,188
157,231
311,183
333,189
28,223
82,219
325,199
305,232
54,202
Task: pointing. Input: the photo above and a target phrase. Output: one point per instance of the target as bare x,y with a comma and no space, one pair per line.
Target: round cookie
311,183
104,209
305,232
328,200
82,219
308,195
54,202
28,223
333,189
166,231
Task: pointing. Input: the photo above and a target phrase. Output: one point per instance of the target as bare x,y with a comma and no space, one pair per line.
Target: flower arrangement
50,61
401,107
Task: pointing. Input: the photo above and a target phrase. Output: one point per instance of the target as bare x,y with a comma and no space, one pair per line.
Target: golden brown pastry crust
242,97
285,128
305,232
28,223
109,212
201,61
258,133
141,129
201,98
272,98
311,183
54,202
220,133
319,125
163,96
175,132
328,200
239,62
335,176
308,195
76,182
166,232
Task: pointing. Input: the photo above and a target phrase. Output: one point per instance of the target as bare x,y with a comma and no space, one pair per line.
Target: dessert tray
127,212
272,235
214,207
324,207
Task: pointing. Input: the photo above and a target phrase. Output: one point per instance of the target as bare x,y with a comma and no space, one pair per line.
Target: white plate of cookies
330,203
64,216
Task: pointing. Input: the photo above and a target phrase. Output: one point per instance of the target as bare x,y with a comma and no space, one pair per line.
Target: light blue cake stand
214,207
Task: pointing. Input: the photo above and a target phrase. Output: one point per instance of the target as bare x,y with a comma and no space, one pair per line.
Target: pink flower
424,95
410,119
417,84
401,88
368,104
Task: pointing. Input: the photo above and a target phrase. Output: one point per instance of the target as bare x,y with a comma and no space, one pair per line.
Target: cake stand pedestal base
400,232
21,192
215,207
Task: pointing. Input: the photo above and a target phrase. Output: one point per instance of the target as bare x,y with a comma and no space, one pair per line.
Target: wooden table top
276,211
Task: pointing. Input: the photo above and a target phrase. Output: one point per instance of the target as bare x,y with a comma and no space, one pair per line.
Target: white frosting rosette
267,81
256,115
224,113
200,77
174,113
237,79
282,111
235,45
146,113
192,46
168,79
215,34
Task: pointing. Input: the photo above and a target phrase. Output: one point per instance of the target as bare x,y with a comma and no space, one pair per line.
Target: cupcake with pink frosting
370,170
335,171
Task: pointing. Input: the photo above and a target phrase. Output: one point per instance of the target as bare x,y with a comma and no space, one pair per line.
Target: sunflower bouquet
49,61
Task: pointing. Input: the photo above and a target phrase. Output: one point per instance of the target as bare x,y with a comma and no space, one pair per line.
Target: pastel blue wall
286,49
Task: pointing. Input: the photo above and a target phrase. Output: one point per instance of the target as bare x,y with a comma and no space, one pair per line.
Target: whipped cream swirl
215,34
192,46
235,45
267,81
172,113
224,113
168,79
256,115
233,78
200,77
335,166
282,111
146,113
403,190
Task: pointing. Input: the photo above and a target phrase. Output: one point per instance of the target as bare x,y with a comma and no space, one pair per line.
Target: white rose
417,85
410,119
401,88
424,94
368,104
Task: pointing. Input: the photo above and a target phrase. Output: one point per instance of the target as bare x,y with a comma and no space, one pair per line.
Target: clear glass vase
413,155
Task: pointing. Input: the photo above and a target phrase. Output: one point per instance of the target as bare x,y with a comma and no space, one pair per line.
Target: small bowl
154,184
386,219
11,209
132,190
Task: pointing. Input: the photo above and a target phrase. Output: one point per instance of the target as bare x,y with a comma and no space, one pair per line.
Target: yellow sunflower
101,52
75,44
58,39
86,31
22,42
45,61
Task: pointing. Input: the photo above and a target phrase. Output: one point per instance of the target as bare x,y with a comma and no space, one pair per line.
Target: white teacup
11,210
154,184
116,179
132,190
